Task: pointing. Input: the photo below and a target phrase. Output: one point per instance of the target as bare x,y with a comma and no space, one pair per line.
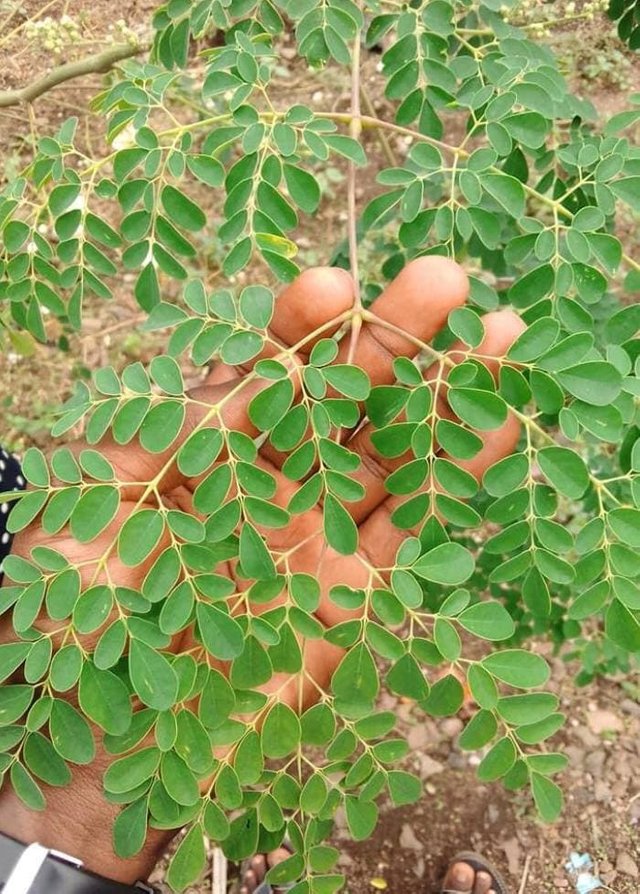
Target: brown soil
410,848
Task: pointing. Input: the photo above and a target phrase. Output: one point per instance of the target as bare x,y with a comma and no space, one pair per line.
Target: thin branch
384,142
100,62
355,129
525,875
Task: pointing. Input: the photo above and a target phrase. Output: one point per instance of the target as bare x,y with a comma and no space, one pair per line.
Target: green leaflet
489,620
188,861
139,536
445,698
404,788
467,325
130,829
565,470
548,797
356,678
362,817
303,188
595,383
178,780
518,668
479,731
152,676
348,380
269,407
44,761
622,626
34,467
26,788
180,208
255,559
280,734
506,190
498,761
70,733
523,709
11,657
94,510
481,410
339,528
127,773
221,635
253,667
104,698
448,563
536,340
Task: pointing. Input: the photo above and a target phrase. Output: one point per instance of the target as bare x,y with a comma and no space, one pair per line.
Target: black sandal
479,864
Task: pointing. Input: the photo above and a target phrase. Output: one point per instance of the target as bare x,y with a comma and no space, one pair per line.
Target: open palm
411,311
417,302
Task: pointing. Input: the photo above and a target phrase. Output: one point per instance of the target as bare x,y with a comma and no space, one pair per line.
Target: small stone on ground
626,864
604,721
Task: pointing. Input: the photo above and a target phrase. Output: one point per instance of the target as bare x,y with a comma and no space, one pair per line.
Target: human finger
501,330
303,312
379,538
412,309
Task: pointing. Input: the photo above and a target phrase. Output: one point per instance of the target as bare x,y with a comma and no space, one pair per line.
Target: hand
78,819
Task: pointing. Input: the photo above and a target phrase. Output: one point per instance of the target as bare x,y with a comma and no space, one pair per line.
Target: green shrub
546,546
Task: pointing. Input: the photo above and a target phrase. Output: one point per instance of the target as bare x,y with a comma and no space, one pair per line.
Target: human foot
462,877
256,869
470,874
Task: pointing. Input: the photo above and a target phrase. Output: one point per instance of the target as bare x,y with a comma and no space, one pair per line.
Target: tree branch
100,62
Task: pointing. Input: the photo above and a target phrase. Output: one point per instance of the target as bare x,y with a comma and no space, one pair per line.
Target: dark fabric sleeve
10,479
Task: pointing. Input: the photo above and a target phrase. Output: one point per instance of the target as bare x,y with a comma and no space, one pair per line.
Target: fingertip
335,282
423,294
461,875
504,325
444,276
333,273
315,298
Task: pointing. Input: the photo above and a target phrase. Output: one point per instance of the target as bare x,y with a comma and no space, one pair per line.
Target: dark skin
77,819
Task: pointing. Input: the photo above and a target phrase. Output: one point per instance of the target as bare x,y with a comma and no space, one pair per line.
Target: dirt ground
411,846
